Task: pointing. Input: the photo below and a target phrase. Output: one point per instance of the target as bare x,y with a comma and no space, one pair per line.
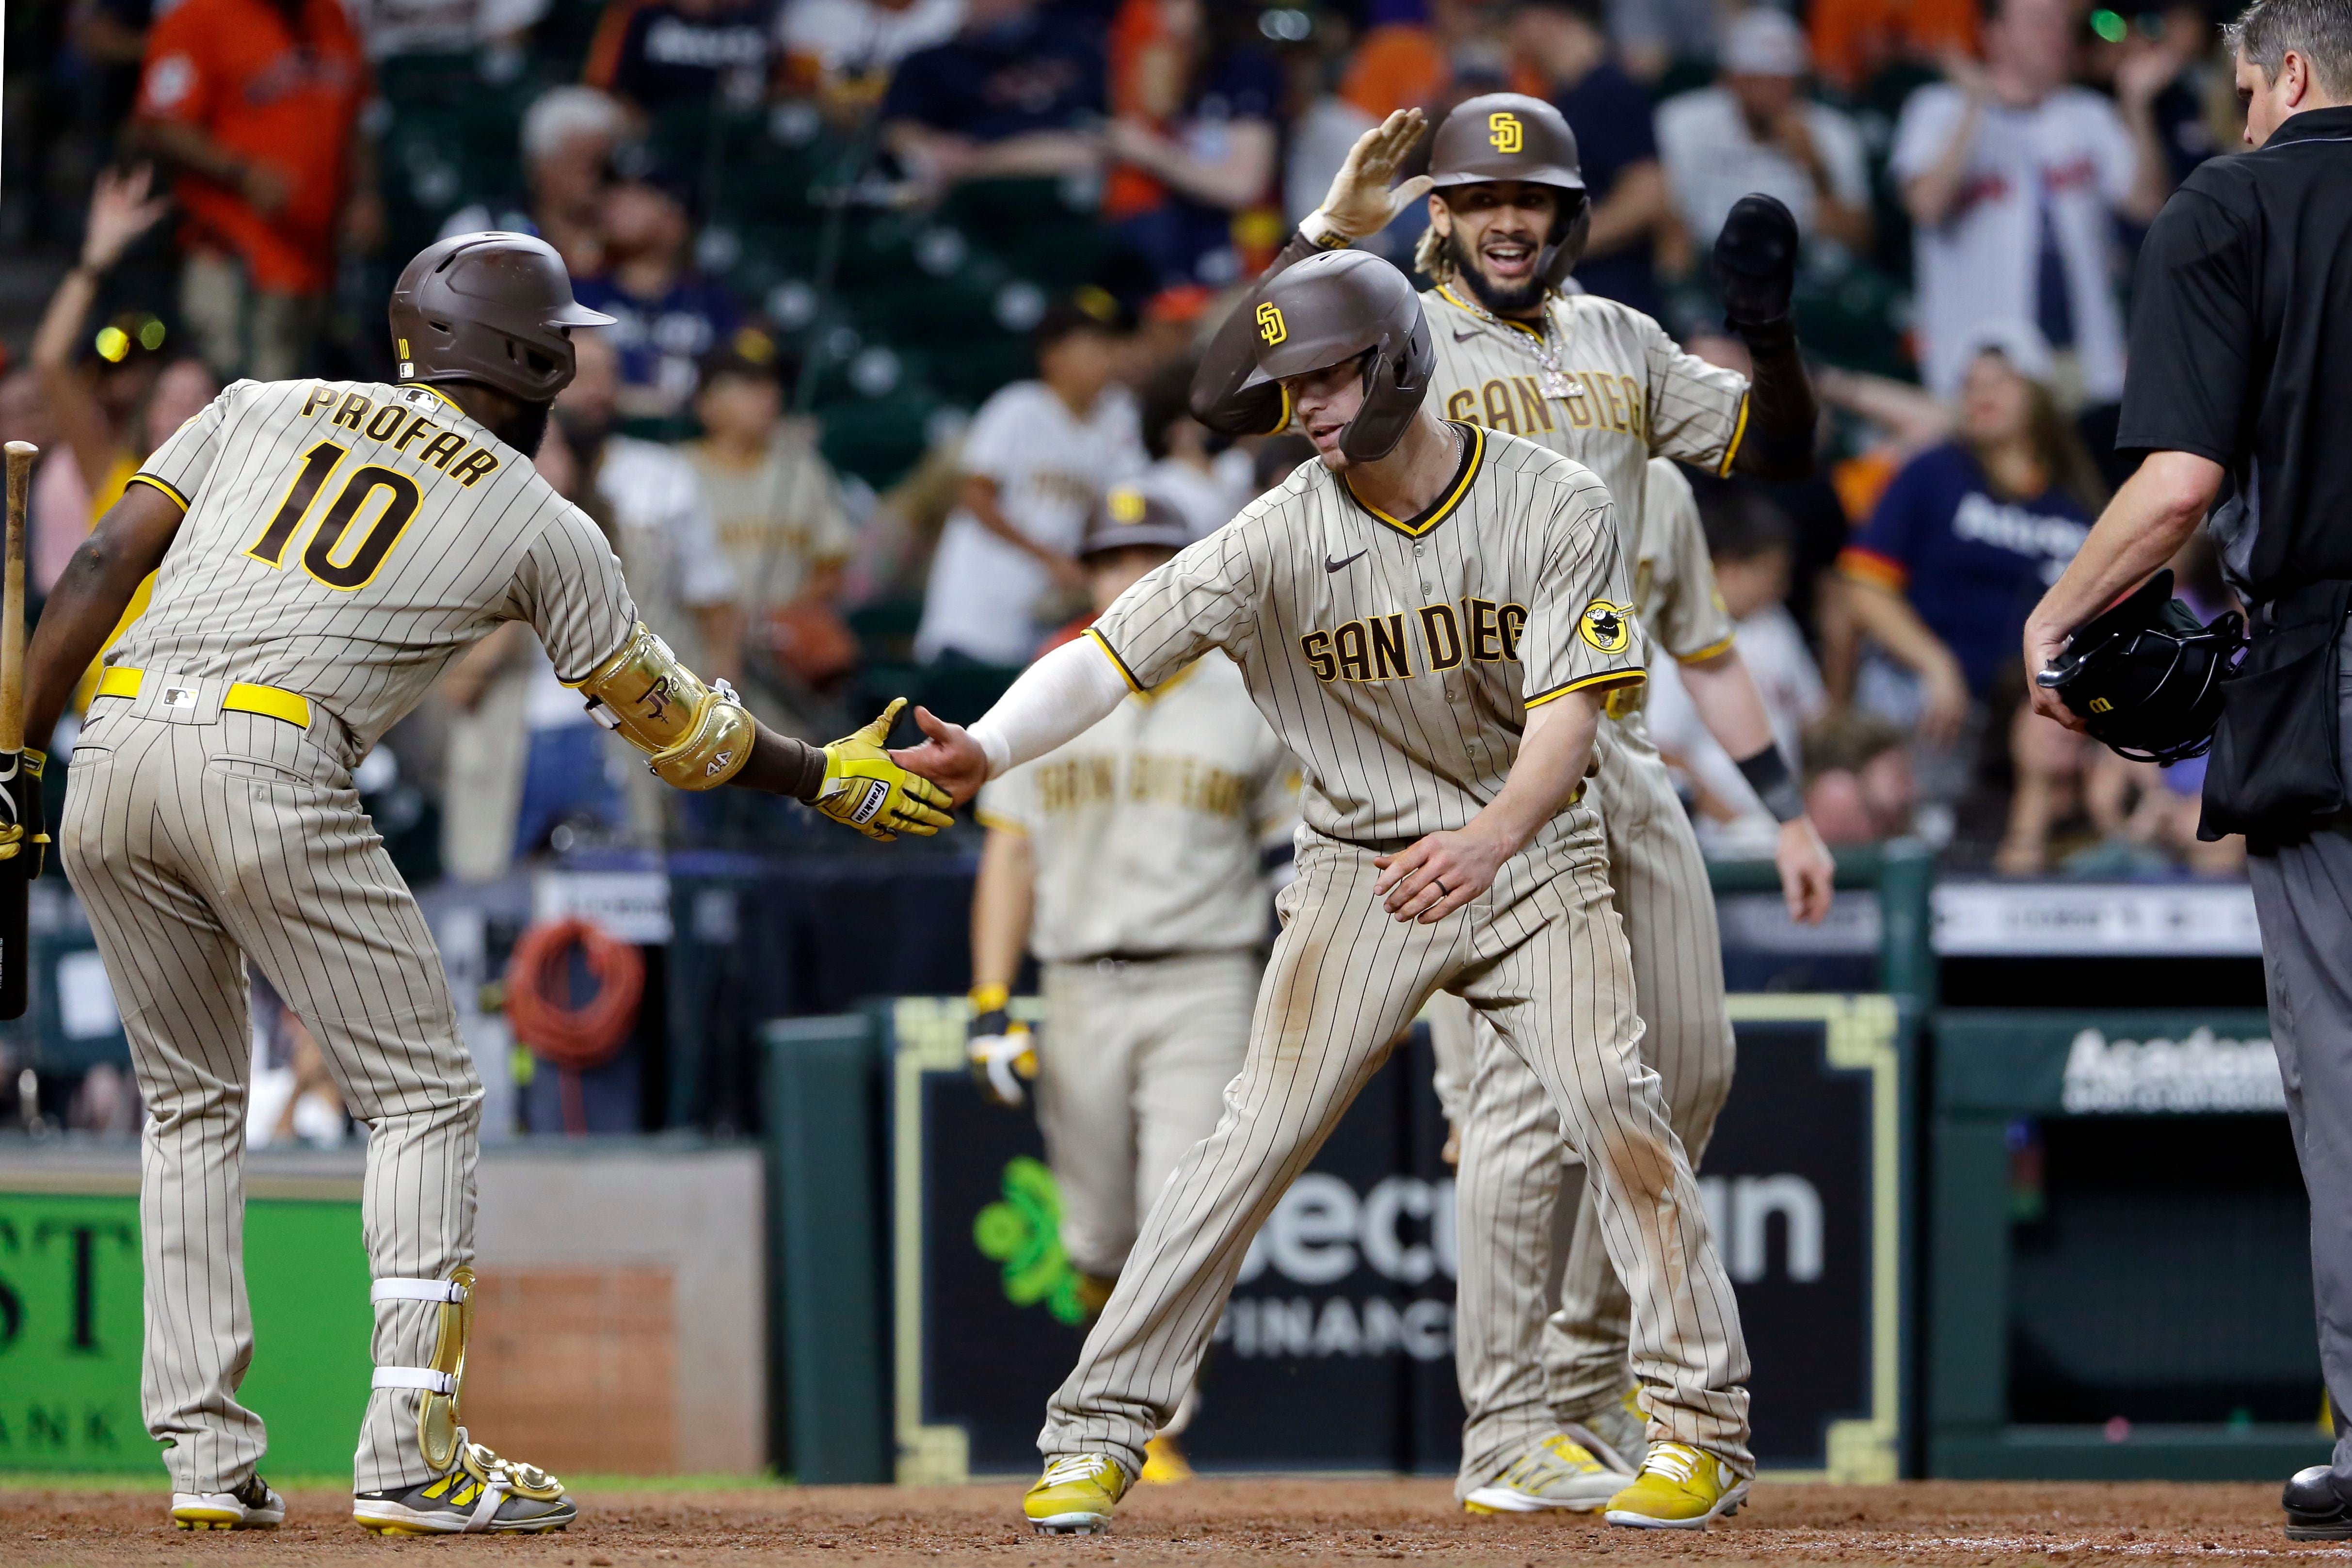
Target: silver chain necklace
1551,378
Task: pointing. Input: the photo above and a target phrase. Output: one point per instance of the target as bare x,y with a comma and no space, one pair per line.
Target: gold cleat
1559,1473
1164,1463
252,1506
1680,1487
1076,1495
481,1494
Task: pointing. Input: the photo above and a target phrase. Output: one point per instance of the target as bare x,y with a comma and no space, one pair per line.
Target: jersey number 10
359,565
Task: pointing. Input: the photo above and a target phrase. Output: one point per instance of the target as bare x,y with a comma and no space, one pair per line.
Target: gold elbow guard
694,736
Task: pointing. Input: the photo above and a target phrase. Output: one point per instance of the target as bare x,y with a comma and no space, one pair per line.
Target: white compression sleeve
1058,699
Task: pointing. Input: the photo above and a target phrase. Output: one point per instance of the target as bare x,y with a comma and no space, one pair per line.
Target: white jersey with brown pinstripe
347,540
1632,393
1397,657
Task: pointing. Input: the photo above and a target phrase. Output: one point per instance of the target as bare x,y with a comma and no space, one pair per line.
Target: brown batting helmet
1345,305
1128,518
493,307
1510,136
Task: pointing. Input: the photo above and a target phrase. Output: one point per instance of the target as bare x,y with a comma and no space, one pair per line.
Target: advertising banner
71,1320
1336,1350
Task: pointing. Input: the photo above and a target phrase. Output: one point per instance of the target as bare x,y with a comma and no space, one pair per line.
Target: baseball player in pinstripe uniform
1548,1424
1132,862
1430,617
322,550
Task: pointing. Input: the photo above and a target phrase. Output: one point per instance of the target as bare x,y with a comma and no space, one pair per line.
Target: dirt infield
1286,1521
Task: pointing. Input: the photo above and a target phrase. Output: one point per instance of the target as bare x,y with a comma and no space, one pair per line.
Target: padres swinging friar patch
1606,626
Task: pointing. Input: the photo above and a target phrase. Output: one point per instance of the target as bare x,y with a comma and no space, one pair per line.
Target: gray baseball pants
200,840
2302,898
1542,959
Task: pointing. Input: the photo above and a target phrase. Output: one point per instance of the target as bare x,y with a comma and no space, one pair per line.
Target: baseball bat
15,954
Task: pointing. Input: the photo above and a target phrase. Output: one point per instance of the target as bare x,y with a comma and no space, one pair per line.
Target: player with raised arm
1430,616
1548,1420
322,552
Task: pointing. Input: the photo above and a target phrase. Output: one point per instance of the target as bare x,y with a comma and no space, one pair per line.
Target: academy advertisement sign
1336,1348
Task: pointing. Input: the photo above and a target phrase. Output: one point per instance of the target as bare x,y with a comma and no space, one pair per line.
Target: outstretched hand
121,210
1360,202
948,756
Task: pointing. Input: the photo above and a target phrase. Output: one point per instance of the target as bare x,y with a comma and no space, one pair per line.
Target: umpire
2238,391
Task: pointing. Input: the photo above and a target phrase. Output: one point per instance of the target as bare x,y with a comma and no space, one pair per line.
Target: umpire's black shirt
2242,345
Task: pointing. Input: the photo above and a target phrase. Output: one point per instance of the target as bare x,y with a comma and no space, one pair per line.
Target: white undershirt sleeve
1056,699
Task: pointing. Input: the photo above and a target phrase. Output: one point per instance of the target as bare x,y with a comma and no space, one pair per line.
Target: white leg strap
448,1291
423,1377
494,1492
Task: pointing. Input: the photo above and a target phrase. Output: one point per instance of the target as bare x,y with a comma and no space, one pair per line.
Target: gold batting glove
863,789
1360,202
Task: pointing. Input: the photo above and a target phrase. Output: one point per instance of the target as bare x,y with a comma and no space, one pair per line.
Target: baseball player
1548,1423
1430,617
1132,862
322,550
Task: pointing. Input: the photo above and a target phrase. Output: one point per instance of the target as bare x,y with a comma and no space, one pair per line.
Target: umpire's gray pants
199,841
2302,896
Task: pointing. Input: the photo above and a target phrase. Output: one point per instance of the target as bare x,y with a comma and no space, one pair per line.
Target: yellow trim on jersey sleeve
1606,678
996,824
1716,649
1117,663
1722,469
179,500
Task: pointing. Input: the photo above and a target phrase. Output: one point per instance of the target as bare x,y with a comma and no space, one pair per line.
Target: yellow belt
244,697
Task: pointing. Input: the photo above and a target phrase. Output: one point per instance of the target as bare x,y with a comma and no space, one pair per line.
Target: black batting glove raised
1755,263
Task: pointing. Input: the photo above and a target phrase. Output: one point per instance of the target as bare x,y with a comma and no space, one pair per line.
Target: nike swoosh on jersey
1464,336
1331,566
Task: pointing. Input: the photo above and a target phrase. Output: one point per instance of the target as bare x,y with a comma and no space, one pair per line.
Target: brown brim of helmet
1543,174
1135,536
576,314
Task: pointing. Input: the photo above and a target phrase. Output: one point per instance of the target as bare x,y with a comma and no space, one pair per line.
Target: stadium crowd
903,286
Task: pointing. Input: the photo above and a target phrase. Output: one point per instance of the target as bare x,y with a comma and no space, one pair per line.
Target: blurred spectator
2185,38
1754,130
107,39
662,54
1206,488
1752,544
2014,177
1007,95
684,586
1192,135
1969,535
569,137
1855,40
1859,786
94,390
846,49
1609,111
1277,458
1652,35
1404,59
492,29
667,315
256,104
1036,461
780,520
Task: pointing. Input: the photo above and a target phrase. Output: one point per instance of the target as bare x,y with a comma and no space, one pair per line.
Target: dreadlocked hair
1429,256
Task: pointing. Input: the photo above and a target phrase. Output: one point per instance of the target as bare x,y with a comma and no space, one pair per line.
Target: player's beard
526,428
1513,301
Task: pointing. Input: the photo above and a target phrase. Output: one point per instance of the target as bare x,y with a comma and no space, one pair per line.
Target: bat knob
21,451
